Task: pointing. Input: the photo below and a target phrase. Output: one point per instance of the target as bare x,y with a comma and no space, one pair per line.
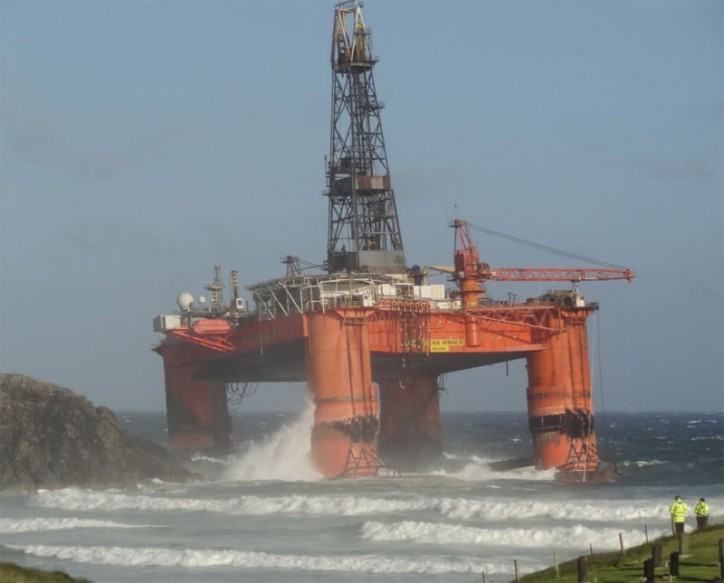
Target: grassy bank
700,564
12,573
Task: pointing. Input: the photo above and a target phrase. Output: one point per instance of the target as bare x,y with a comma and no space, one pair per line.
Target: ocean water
264,515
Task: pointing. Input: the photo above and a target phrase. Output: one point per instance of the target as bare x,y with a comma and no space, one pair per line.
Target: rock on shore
51,438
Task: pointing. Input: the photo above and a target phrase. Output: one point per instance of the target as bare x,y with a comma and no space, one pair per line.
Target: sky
143,142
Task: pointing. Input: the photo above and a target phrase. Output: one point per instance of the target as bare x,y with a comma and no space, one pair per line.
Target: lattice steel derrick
364,231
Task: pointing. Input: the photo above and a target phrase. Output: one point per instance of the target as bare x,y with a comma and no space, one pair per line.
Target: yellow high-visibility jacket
678,510
701,509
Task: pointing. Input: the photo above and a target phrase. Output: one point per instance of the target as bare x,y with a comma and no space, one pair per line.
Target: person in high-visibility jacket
678,510
702,513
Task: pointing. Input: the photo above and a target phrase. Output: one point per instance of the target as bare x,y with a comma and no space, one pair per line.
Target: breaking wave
449,534
43,524
477,469
643,463
285,455
206,558
455,508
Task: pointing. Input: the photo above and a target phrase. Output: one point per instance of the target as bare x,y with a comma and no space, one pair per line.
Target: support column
196,409
410,436
560,412
339,373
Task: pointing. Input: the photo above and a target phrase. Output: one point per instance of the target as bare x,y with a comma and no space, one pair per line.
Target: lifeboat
210,327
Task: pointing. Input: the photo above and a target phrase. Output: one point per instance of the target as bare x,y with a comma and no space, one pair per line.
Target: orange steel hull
339,373
196,408
345,353
559,400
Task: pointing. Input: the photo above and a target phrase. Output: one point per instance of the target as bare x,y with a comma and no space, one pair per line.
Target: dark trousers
701,521
679,527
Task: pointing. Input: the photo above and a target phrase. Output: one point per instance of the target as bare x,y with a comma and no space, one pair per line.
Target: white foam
478,470
285,455
199,457
42,524
79,500
489,508
208,558
644,463
573,537
522,509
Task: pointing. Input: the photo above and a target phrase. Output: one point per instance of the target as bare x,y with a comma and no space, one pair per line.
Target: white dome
184,300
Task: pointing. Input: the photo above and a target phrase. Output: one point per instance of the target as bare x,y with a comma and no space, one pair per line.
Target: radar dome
184,300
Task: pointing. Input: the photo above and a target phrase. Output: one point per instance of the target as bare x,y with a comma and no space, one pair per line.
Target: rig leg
560,412
196,408
410,436
346,417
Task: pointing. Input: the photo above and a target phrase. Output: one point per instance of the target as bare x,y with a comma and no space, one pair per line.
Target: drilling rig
364,231
370,336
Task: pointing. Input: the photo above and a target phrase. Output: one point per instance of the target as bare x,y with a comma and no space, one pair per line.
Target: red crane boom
557,274
469,267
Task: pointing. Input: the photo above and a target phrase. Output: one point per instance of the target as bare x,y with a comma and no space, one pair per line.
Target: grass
700,564
12,573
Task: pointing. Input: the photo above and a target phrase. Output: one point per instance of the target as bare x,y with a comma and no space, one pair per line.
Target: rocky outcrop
51,438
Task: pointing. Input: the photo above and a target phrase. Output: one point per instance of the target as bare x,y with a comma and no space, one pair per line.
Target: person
702,513
678,510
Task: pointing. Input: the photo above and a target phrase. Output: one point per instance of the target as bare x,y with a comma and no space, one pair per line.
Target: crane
470,273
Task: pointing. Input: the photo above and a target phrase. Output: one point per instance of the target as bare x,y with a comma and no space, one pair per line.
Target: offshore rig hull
371,350
371,336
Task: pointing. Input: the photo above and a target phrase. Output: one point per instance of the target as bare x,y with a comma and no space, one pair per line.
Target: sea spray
284,455
474,468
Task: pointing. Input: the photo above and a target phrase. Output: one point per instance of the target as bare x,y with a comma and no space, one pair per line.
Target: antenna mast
364,231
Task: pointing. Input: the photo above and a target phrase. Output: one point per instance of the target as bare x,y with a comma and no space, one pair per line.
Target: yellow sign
433,345
444,344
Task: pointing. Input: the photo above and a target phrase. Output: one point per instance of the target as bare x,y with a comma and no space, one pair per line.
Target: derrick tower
364,231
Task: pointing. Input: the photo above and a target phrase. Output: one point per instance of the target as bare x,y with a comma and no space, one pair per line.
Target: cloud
41,142
687,170
89,147
35,137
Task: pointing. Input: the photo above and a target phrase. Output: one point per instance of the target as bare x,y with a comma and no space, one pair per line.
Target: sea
263,514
